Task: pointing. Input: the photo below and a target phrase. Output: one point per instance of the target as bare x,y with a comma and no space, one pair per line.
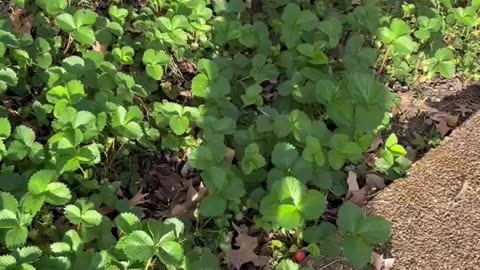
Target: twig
326,266
384,61
69,42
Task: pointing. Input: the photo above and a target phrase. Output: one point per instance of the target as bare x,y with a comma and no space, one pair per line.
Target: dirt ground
425,116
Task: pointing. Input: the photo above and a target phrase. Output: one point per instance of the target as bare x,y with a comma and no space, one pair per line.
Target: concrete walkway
435,211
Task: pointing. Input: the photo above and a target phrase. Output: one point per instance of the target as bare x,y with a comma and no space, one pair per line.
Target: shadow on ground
415,123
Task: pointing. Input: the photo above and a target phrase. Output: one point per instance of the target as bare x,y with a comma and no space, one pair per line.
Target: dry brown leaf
380,263
21,22
452,120
377,142
229,155
186,93
370,159
99,48
442,127
352,183
388,263
376,260
138,198
192,198
422,79
246,244
358,197
374,180
463,109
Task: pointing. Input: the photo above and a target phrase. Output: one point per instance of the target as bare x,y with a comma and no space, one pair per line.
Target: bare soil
416,119
436,210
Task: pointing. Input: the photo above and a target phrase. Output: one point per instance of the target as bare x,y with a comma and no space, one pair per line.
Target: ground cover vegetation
271,104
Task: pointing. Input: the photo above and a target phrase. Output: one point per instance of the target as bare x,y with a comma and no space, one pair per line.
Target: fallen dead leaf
463,109
380,263
388,263
405,101
422,79
186,93
21,22
370,159
138,198
377,142
452,120
444,122
229,155
377,261
442,127
99,48
192,198
375,181
358,197
246,244
352,183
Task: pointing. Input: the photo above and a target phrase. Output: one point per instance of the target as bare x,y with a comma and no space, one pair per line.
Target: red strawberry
299,256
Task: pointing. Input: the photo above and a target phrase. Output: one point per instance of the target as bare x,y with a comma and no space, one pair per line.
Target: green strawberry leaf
313,151
28,254
357,251
53,7
8,202
8,219
155,72
171,253
127,223
73,93
350,218
213,206
138,246
24,134
288,216
57,194
324,235
5,128
32,203
312,205
252,159
40,180
284,155
84,17
179,124
16,237
200,84
374,230
289,190
209,68
287,265
65,22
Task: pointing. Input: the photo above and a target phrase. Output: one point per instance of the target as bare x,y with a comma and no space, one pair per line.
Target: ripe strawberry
299,256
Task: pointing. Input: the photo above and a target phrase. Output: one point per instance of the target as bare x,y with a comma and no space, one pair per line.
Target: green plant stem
149,263
297,234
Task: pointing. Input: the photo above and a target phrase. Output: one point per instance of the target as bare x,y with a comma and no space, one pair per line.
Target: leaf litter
245,253
21,21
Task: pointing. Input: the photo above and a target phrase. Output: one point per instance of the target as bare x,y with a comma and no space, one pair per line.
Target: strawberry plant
259,112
